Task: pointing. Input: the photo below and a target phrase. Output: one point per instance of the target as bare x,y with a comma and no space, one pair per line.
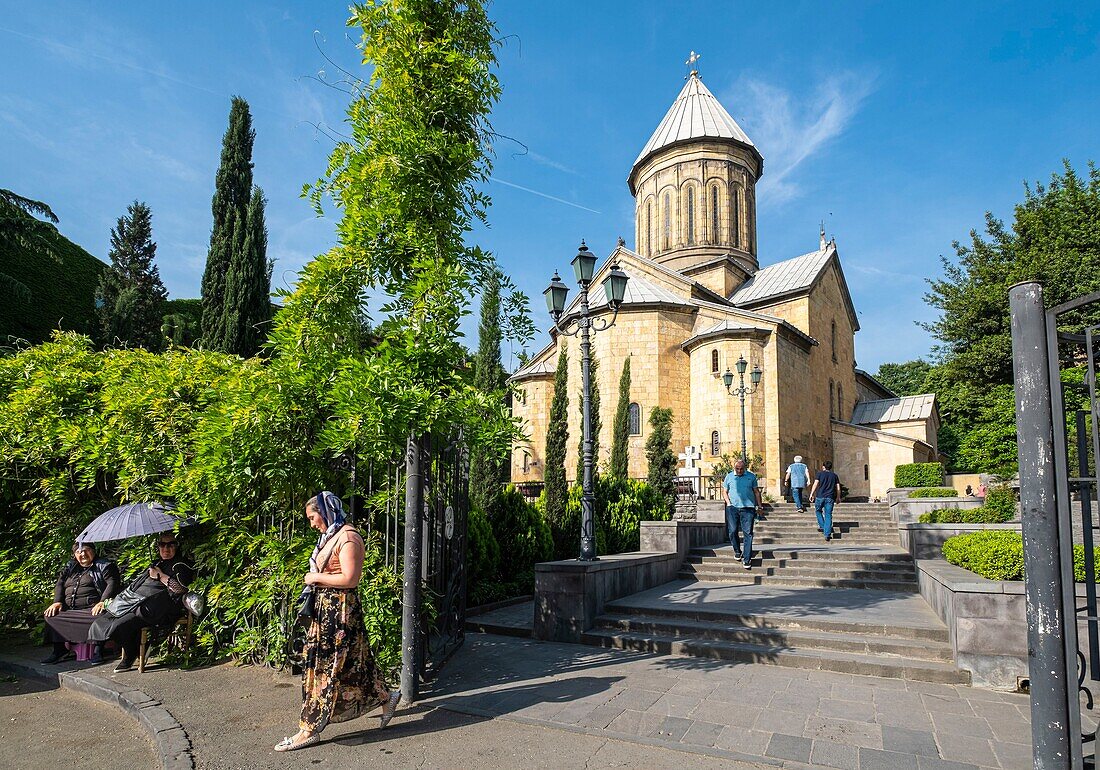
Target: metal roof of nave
696,114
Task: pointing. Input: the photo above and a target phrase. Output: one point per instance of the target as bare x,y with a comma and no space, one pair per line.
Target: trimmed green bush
934,492
981,515
918,475
521,533
1003,501
999,555
483,552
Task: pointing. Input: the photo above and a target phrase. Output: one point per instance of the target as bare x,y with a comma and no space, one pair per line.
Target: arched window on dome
832,400
714,362
839,401
668,222
735,218
649,228
715,443
634,420
691,216
714,214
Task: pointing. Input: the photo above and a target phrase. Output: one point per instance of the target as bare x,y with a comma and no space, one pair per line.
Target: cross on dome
694,57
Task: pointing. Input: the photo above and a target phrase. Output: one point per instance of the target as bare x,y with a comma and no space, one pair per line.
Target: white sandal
288,744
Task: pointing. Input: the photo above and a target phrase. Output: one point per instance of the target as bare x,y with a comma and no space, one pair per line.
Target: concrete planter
986,621
571,594
904,510
925,541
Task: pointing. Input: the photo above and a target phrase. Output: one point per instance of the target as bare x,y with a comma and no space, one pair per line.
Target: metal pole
588,498
411,651
1085,490
1047,664
744,442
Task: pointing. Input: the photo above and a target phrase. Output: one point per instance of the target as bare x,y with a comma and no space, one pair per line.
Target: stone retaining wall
925,541
905,509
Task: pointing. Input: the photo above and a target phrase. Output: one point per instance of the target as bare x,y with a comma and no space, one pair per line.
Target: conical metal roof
695,114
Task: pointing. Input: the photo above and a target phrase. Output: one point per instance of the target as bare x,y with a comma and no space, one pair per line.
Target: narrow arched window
750,223
714,214
839,401
634,418
715,443
668,221
526,462
735,218
832,338
714,361
691,216
832,400
649,228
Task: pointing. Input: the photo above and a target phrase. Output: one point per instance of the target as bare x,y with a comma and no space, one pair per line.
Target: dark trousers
739,522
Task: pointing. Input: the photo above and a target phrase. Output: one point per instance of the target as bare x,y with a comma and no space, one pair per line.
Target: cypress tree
130,297
620,433
593,370
557,435
232,195
659,454
488,470
248,285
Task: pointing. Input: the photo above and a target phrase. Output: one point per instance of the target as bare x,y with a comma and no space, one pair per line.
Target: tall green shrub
488,469
918,475
659,454
557,434
130,296
521,532
620,434
248,285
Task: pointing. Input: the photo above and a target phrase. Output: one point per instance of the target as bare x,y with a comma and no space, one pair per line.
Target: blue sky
897,126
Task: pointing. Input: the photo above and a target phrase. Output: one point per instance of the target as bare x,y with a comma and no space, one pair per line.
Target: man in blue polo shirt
742,502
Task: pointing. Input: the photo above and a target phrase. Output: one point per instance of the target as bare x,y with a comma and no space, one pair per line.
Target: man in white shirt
798,476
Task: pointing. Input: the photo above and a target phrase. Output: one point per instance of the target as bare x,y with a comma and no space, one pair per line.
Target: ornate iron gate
1063,639
446,473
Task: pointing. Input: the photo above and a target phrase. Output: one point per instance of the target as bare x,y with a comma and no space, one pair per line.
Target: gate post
411,649
1052,680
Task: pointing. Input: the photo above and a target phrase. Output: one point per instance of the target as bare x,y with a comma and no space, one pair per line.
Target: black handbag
307,605
133,596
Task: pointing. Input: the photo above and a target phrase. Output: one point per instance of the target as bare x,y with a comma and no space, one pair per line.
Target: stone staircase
899,651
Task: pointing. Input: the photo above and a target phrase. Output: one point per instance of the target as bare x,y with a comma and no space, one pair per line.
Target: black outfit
78,589
159,605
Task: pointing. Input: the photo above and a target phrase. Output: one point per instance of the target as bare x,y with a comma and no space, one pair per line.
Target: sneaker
58,657
747,564
124,665
389,707
828,538
737,555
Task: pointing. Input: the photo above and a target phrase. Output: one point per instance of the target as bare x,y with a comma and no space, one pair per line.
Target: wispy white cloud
874,270
542,160
168,164
791,128
544,195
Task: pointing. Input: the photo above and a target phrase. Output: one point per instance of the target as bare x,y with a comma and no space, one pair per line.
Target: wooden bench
179,636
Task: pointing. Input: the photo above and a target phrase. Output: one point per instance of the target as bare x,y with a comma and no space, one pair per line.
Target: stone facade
697,301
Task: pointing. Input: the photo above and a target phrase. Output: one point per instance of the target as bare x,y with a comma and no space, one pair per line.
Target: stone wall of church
832,361
697,200
532,405
865,458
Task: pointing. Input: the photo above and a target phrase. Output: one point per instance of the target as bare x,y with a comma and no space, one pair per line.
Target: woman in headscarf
340,680
83,587
153,598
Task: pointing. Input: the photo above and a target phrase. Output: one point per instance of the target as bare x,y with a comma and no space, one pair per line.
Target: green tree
1054,239
228,236
130,296
557,436
248,285
621,431
905,379
659,455
594,391
21,228
488,468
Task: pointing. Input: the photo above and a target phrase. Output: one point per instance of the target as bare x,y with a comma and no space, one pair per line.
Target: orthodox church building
697,300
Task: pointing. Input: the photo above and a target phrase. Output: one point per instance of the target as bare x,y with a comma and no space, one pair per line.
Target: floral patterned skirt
340,680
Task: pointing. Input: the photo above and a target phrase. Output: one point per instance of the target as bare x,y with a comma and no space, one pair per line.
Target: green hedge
981,515
505,544
999,555
934,492
918,475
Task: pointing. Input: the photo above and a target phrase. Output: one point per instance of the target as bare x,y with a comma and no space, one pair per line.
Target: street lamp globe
614,286
756,375
584,264
555,295
727,379
742,364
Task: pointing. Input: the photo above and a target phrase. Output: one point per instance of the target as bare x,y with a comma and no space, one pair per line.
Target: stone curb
167,734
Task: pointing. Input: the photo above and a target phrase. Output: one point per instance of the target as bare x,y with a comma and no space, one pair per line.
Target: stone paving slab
765,714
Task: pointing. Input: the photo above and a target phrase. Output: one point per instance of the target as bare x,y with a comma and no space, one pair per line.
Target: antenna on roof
693,70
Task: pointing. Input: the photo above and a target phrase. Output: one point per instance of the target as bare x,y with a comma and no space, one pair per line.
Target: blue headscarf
332,512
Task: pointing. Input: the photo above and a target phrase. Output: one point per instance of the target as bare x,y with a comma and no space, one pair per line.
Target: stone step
761,540
694,572
824,572
815,562
815,551
816,659
695,613
920,649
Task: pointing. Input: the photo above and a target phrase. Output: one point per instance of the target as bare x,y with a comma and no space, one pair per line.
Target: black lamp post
614,286
741,391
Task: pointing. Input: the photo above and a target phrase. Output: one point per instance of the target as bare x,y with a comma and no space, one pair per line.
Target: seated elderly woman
153,598
83,586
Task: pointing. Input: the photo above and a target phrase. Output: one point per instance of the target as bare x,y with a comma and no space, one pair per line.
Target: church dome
696,114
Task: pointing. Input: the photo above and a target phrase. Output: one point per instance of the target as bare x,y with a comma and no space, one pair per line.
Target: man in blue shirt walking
742,502
825,491
798,477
